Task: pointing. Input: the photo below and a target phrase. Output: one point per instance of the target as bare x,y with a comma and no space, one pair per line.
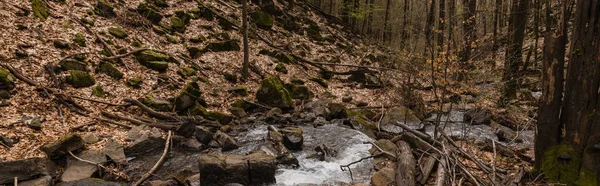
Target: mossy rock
230,45
336,111
281,68
239,90
159,3
300,92
98,91
359,120
272,92
189,95
87,21
71,64
567,171
186,72
90,12
173,39
291,25
177,24
159,30
40,9
286,58
61,44
262,19
203,12
80,79
104,9
225,25
320,81
184,16
198,39
79,39
157,104
230,77
241,104
297,81
222,118
134,82
7,80
314,33
67,143
4,94
197,109
150,12
154,59
110,70
195,52
118,32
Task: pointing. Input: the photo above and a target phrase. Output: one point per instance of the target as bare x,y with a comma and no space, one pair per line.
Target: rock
222,118
64,145
25,169
300,92
41,181
104,9
282,155
225,141
134,82
272,92
230,77
90,138
114,150
477,116
335,111
240,90
154,59
80,79
7,80
320,81
346,99
157,104
79,39
297,81
195,52
33,122
292,138
71,64
359,121
87,21
385,145
6,141
402,115
161,183
269,6
262,19
383,177
238,112
220,169
314,33
186,72
150,12
281,68
98,91
193,145
89,182
177,24
61,44
40,9
188,98
193,180
118,32
198,39
77,170
225,24
230,45
146,139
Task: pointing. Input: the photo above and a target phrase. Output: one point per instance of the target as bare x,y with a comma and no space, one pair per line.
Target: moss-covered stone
300,92
230,77
150,12
71,64
154,59
159,3
80,79
272,92
157,104
79,39
118,32
222,118
203,12
320,81
173,39
98,91
159,30
291,25
184,16
197,109
195,52
239,90
40,9
177,24
134,82
186,72
359,120
89,12
104,9
4,94
110,70
198,39
297,81
225,25
7,80
61,44
230,45
314,33
88,21
281,68
262,19
67,143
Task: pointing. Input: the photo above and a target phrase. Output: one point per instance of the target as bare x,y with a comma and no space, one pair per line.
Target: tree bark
514,50
496,21
386,29
469,33
441,25
405,170
245,38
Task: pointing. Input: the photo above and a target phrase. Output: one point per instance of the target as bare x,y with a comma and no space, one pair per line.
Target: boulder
114,150
238,112
198,39
61,44
300,92
186,72
230,77
282,155
336,111
292,138
230,45
71,64
90,138
399,114
104,9
177,24
118,32
80,79
40,9
150,12
135,82
383,177
225,141
262,19
154,59
477,116
269,6
157,104
272,92
220,169
110,70
188,98
146,140
77,170
41,181
64,145
89,182
7,80
25,169
203,134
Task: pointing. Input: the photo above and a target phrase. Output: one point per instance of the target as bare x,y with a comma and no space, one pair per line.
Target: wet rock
477,116
40,9
262,19
41,181
64,145
230,45
150,12
146,139
220,169
61,44
383,177
157,104
292,138
77,170
98,91
71,64
79,39
104,9
118,32
272,92
134,82
203,134
114,150
90,138
25,169
239,90
80,79
283,156
402,115
225,141
89,182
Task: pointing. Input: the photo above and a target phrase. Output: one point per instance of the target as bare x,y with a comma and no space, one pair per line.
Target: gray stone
220,169
90,138
41,181
77,170
148,140
292,138
193,180
89,182
203,134
192,144
225,141
477,116
25,169
63,146
114,150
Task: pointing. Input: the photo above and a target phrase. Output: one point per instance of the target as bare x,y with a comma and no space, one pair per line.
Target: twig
83,125
494,163
149,110
118,174
162,158
390,155
16,181
347,166
99,101
124,55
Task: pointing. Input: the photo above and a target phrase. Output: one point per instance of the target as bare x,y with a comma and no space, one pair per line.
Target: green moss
193,89
281,68
159,30
80,79
360,119
61,44
98,91
557,170
186,72
297,81
320,81
40,9
87,21
173,39
239,90
118,32
104,9
263,20
184,16
177,24
153,59
230,77
587,177
79,39
89,12
286,58
198,39
134,82
150,12
6,79
299,91
110,70
157,104
273,93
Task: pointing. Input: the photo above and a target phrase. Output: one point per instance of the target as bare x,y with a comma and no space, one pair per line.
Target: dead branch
427,168
158,163
100,101
78,127
350,65
405,170
388,154
113,171
149,110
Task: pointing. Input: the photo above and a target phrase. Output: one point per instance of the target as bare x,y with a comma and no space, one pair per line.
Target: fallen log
427,166
405,170
149,110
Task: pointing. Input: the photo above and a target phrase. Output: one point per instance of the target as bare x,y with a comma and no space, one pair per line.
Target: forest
299,92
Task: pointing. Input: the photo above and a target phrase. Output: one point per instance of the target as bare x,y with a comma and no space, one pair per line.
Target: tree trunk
386,29
246,64
405,170
370,19
514,50
441,25
469,32
345,11
496,22
331,7
403,33
429,37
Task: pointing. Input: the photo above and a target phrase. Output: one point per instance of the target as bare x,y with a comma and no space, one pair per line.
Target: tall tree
574,159
405,14
429,37
496,21
514,50
245,38
470,32
441,24
387,32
